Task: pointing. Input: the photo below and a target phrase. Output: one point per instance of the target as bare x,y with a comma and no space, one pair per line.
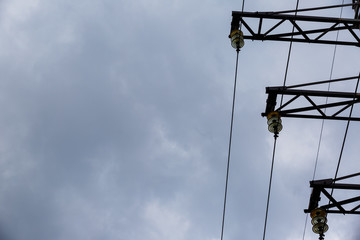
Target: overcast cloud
115,118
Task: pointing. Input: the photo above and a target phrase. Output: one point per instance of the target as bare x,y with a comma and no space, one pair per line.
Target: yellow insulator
237,39
274,122
320,228
318,212
319,221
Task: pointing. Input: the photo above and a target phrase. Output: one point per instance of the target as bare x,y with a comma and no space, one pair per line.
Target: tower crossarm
269,26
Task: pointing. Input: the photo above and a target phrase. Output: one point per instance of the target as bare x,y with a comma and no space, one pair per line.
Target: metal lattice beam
334,206
308,35
345,100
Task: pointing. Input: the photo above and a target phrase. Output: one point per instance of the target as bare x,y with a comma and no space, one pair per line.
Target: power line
346,131
323,121
275,136
230,137
242,10
269,190
289,53
345,135
229,150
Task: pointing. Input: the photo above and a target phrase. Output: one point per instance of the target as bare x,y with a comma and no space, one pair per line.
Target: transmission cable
331,72
345,135
230,136
289,53
275,135
229,150
270,181
346,132
323,120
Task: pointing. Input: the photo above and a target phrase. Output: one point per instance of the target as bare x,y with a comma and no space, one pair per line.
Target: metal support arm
349,99
334,206
310,34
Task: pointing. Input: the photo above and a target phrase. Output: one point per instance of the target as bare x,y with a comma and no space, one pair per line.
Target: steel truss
300,34
334,206
350,98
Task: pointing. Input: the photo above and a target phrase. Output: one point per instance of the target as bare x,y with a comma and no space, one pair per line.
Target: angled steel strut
308,34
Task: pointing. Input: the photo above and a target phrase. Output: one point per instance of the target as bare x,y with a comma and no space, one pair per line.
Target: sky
115,120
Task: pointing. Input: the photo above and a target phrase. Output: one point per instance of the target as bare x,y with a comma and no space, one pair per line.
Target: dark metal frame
351,98
299,35
356,8
334,206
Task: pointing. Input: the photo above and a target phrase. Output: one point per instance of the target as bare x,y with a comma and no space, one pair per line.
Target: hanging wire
323,121
345,135
346,132
331,72
230,137
229,150
289,53
242,10
270,181
315,167
275,136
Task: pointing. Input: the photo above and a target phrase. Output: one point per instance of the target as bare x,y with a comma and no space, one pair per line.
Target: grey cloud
115,122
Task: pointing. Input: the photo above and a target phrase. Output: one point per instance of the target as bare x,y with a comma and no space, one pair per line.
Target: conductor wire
242,10
346,132
230,136
345,135
275,136
323,121
289,53
230,140
269,190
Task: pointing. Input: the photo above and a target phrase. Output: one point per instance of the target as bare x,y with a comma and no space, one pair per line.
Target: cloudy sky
115,118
